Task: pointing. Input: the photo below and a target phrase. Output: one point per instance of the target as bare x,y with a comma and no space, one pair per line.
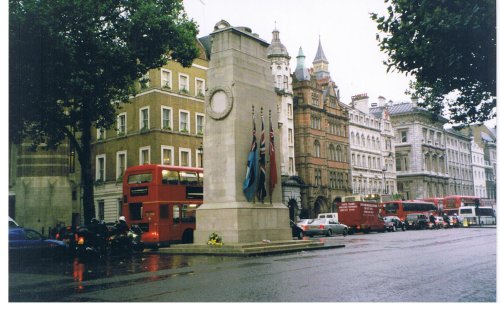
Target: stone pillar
239,77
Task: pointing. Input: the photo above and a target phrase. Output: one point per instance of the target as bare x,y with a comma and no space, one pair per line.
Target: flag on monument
251,174
261,186
273,171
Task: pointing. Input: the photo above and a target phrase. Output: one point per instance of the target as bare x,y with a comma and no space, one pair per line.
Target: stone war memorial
240,91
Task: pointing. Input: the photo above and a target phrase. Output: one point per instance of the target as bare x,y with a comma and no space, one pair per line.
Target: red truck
362,216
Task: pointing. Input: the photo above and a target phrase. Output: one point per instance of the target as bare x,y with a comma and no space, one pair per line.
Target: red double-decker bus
456,201
402,208
162,200
438,202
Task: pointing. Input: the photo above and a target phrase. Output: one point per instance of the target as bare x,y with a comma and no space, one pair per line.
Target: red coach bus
455,202
162,200
402,208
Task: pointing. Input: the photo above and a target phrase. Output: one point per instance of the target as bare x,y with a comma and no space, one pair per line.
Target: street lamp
383,179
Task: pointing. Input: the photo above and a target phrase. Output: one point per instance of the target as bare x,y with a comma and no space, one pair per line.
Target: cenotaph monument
239,83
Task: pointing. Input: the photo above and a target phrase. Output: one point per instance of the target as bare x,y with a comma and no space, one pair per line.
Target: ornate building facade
321,137
372,147
280,66
459,161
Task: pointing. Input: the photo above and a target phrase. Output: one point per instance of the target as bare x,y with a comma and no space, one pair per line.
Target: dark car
28,244
297,232
417,221
394,222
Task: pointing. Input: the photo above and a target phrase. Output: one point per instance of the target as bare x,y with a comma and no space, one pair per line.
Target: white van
335,216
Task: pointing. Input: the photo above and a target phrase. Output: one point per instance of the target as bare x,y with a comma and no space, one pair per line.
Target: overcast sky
345,27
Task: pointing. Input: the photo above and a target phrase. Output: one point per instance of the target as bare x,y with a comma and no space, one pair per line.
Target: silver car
324,226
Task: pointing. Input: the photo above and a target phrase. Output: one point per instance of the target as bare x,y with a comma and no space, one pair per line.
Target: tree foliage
72,62
449,46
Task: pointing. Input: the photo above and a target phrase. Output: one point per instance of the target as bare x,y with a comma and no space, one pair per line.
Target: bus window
135,211
163,211
176,214
391,208
465,211
169,177
188,178
140,178
188,213
200,179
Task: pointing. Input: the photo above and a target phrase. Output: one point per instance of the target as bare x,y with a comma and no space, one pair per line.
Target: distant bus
456,201
162,201
482,215
402,208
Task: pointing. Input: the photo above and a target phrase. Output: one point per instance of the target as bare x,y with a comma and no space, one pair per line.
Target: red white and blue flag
261,186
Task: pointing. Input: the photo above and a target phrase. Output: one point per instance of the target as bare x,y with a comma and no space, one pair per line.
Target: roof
402,109
301,71
320,55
276,48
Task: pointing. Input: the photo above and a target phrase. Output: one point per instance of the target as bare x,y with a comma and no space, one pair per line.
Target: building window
200,122
290,167
122,124
331,153
317,149
199,158
290,137
100,206
121,164
166,117
144,118
317,177
167,155
200,87
404,136
183,83
144,155
285,82
100,168
166,78
184,157
183,121
290,111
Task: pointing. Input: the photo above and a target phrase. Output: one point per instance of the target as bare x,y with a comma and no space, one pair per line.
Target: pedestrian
432,219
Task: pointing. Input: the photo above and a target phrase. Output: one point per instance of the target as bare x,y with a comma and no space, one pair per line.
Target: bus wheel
187,236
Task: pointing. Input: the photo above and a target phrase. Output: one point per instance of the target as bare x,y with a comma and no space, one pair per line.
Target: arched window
353,158
369,142
331,153
363,140
317,149
352,137
357,139
339,154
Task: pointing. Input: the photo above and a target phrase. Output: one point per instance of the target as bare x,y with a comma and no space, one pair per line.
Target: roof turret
301,71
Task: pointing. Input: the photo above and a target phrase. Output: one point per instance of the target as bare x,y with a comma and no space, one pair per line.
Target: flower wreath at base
214,240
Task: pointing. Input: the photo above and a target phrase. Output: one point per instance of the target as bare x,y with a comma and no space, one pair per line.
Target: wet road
453,265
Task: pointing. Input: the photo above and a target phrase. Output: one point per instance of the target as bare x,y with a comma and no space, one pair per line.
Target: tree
72,62
449,46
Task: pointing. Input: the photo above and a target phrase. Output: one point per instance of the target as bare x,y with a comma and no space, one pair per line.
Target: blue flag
251,174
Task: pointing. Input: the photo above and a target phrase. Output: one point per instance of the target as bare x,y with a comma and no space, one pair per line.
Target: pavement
248,249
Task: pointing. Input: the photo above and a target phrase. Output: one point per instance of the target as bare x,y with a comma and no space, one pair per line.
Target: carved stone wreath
220,102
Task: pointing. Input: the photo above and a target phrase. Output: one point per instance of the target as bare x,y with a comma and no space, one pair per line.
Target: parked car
28,244
324,226
440,223
417,221
393,223
297,232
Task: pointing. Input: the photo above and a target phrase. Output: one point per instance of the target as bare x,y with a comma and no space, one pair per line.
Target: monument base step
247,249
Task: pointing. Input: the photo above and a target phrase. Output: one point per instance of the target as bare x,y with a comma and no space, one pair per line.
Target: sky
346,30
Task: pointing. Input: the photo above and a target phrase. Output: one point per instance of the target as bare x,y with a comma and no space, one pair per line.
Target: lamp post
383,180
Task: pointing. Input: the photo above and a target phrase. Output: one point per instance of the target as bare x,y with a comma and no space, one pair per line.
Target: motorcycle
128,242
135,235
90,244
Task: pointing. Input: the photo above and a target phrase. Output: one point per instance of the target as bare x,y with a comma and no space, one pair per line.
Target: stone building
459,161
420,149
162,124
321,136
485,138
372,147
280,66
44,186
478,170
